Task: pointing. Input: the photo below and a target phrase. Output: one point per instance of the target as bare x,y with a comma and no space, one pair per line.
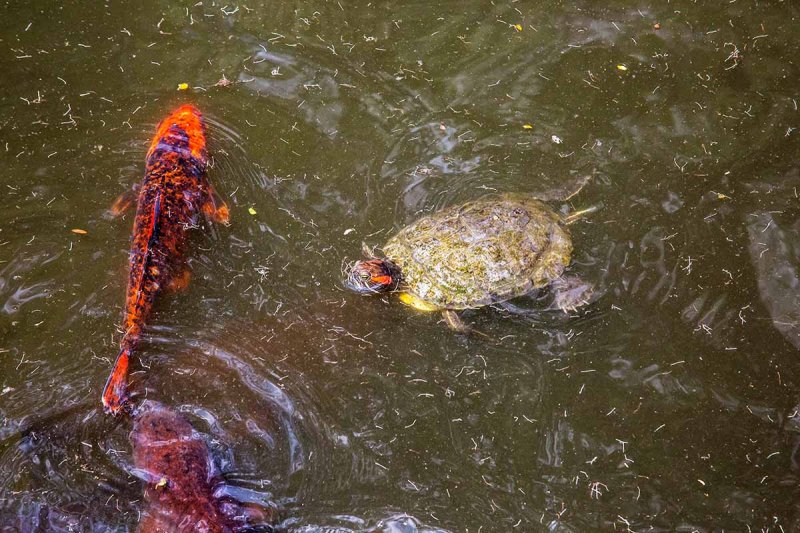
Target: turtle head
372,275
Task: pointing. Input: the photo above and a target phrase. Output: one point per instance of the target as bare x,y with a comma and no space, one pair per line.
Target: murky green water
670,404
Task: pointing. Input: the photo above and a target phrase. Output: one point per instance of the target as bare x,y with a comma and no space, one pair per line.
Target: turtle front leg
451,318
454,322
570,293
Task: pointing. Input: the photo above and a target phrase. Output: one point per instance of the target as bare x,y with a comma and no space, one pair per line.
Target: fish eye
364,275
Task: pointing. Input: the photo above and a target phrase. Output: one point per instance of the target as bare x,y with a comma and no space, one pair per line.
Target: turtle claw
571,293
454,322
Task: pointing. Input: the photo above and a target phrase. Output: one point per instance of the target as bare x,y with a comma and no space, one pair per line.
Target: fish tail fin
115,393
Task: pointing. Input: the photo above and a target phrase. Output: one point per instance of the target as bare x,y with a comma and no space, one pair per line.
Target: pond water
669,404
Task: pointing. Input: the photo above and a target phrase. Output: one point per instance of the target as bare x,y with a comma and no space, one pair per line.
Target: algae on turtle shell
486,251
489,250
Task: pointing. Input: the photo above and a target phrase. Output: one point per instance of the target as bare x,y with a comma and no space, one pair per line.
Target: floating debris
183,86
223,82
622,67
556,139
79,231
527,126
252,211
518,27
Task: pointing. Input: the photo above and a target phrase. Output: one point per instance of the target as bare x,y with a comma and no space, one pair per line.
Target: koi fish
180,478
174,191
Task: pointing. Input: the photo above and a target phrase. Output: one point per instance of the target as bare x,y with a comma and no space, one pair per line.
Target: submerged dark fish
181,479
174,191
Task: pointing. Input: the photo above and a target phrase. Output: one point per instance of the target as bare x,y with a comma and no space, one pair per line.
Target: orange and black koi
174,191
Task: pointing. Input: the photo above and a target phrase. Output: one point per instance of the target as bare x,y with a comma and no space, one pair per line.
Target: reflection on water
669,404
775,252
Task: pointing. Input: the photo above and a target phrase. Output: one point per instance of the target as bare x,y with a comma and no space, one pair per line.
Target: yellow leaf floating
183,86
527,127
251,211
518,27
161,483
79,231
721,196
622,67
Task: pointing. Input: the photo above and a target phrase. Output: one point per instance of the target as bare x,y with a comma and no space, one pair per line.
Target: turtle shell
486,251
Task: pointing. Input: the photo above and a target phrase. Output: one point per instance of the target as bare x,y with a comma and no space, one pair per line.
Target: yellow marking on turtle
417,303
450,316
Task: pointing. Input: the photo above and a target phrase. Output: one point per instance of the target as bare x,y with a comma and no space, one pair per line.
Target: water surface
669,404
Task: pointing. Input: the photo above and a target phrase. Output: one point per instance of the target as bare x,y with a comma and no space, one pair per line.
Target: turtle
483,252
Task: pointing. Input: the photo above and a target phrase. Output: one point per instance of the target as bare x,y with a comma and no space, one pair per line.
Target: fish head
183,131
183,489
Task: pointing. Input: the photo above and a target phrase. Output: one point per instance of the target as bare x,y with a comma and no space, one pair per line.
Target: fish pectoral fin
215,207
124,201
180,281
